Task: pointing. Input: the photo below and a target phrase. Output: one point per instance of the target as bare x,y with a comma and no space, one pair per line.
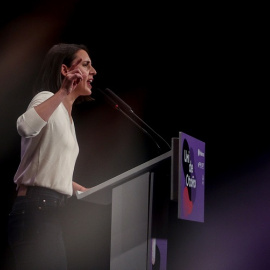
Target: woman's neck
68,103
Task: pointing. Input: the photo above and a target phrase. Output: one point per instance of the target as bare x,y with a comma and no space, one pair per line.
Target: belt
22,190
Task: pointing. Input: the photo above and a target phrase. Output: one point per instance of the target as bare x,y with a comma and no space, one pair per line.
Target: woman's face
88,73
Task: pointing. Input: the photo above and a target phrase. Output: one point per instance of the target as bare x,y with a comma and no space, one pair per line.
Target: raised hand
72,77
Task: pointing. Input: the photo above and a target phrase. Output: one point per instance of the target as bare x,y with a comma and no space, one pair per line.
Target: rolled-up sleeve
30,123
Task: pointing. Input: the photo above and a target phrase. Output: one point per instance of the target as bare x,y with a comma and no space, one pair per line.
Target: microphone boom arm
117,102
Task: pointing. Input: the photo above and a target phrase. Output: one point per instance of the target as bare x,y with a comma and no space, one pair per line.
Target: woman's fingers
73,76
73,66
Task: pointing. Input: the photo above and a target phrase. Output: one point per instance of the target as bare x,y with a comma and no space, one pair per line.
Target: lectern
139,201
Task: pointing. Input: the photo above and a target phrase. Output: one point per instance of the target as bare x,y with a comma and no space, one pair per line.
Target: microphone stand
117,103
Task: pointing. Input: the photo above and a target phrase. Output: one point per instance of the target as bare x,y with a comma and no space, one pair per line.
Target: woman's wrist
62,92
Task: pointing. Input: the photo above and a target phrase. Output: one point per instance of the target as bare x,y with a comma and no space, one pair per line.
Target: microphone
120,102
121,105
111,101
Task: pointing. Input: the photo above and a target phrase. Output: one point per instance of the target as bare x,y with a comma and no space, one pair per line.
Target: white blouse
48,149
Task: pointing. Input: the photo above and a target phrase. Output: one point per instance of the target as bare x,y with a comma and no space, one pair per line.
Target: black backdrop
196,69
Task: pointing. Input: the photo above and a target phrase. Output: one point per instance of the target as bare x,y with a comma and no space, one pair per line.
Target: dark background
199,69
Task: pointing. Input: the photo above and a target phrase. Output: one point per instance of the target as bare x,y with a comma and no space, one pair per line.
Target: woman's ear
64,70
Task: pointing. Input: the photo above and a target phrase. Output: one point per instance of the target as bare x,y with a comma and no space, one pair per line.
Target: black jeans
35,232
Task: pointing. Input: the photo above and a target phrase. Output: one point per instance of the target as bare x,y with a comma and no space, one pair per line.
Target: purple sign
191,178
158,254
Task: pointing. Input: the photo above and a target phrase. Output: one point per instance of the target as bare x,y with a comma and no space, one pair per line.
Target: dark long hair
50,77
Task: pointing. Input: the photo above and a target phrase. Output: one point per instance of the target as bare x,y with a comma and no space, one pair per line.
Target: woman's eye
87,63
